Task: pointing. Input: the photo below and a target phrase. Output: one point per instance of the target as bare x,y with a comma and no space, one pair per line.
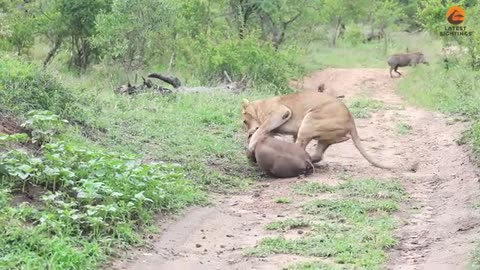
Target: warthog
276,157
405,59
372,36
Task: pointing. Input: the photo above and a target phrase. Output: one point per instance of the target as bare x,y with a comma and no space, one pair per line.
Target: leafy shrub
25,87
363,107
14,138
354,34
43,125
260,62
89,199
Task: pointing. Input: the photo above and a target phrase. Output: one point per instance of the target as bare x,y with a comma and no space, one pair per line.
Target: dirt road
437,223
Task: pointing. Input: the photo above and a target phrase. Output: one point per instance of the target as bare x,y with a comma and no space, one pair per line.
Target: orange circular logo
455,15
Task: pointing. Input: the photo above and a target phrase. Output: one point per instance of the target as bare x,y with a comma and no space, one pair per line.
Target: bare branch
285,24
226,76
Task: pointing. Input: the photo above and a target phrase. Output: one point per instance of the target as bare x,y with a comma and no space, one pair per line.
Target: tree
242,11
272,17
387,12
132,29
52,27
79,19
18,24
472,43
340,12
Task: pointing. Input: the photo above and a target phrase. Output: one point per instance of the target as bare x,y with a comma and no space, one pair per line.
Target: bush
25,87
354,34
260,62
82,202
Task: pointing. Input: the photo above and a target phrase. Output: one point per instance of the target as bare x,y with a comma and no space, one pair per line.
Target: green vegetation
312,188
452,91
70,55
85,201
368,55
283,200
24,87
94,200
450,85
475,263
192,130
287,224
363,107
403,128
314,266
353,229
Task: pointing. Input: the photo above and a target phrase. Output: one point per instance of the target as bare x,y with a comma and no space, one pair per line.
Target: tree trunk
335,35
53,51
82,52
385,44
171,64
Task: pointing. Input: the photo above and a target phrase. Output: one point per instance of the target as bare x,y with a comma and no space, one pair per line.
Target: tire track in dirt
437,224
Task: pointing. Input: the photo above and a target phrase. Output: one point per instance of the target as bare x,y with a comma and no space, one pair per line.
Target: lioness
314,115
279,158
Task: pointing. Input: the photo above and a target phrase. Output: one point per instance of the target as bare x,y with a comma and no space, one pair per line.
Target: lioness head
249,115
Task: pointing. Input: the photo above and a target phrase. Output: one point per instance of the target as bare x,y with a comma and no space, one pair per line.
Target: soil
438,224
9,125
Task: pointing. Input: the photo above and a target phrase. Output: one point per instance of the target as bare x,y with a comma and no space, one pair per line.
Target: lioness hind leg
326,130
322,147
318,155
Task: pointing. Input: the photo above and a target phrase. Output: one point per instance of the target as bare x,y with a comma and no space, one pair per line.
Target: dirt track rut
437,224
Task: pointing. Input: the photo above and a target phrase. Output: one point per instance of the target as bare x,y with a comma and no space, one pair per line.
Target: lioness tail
358,145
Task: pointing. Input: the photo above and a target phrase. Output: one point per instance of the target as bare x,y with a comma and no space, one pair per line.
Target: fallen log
173,81
231,86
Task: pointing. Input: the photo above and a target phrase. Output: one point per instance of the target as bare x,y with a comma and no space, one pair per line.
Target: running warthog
405,59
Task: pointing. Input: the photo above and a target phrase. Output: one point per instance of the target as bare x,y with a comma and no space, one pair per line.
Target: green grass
315,265
403,128
353,230
201,131
368,188
283,200
287,224
312,188
368,55
372,189
87,203
452,91
475,263
363,107
24,87
95,200
192,130
451,87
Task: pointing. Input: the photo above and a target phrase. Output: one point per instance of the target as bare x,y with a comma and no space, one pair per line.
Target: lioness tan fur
279,158
314,115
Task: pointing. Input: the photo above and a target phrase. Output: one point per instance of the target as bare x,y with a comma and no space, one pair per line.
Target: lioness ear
245,102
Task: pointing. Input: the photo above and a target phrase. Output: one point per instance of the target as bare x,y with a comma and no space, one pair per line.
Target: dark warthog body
372,36
282,159
278,158
405,59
